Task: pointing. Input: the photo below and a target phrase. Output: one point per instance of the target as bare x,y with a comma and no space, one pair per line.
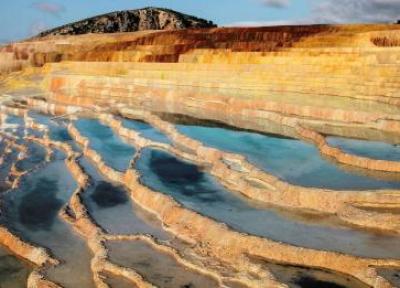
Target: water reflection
200,192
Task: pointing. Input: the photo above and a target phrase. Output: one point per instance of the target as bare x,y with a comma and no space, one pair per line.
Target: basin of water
14,125
57,128
118,282
301,277
370,149
14,272
8,160
115,152
291,160
145,130
32,210
14,120
36,154
200,192
156,267
391,274
111,207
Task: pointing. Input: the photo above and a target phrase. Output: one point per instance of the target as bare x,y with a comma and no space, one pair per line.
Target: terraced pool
111,207
291,160
115,152
200,192
370,149
13,271
32,212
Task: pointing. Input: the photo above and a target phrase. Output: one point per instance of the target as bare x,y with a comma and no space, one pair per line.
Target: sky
24,18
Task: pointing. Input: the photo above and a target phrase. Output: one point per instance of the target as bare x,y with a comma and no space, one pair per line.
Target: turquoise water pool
200,192
145,130
115,152
370,149
291,160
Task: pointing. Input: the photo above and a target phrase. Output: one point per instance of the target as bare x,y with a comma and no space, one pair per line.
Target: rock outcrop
131,21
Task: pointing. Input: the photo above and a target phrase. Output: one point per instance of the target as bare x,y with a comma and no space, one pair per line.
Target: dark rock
131,21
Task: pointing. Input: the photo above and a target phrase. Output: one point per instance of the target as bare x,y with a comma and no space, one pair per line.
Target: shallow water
200,192
369,149
14,120
291,160
14,272
111,207
392,275
14,125
57,129
118,282
158,268
31,211
115,152
299,277
5,169
145,130
36,154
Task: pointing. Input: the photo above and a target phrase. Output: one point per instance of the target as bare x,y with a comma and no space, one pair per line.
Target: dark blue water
36,154
145,130
369,149
16,120
200,192
115,152
57,129
111,207
15,125
291,160
32,210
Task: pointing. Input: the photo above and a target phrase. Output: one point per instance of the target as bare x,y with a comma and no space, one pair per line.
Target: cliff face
131,21
346,76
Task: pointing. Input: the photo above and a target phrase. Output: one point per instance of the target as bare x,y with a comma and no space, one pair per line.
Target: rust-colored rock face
306,83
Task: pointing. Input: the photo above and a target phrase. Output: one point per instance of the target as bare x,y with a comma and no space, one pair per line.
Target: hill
131,21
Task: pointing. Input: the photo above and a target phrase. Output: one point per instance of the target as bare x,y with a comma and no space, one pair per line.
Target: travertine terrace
306,83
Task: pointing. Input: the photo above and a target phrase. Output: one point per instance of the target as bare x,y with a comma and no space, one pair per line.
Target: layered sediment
304,82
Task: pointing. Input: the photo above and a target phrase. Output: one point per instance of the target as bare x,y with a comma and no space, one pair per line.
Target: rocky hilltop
130,21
